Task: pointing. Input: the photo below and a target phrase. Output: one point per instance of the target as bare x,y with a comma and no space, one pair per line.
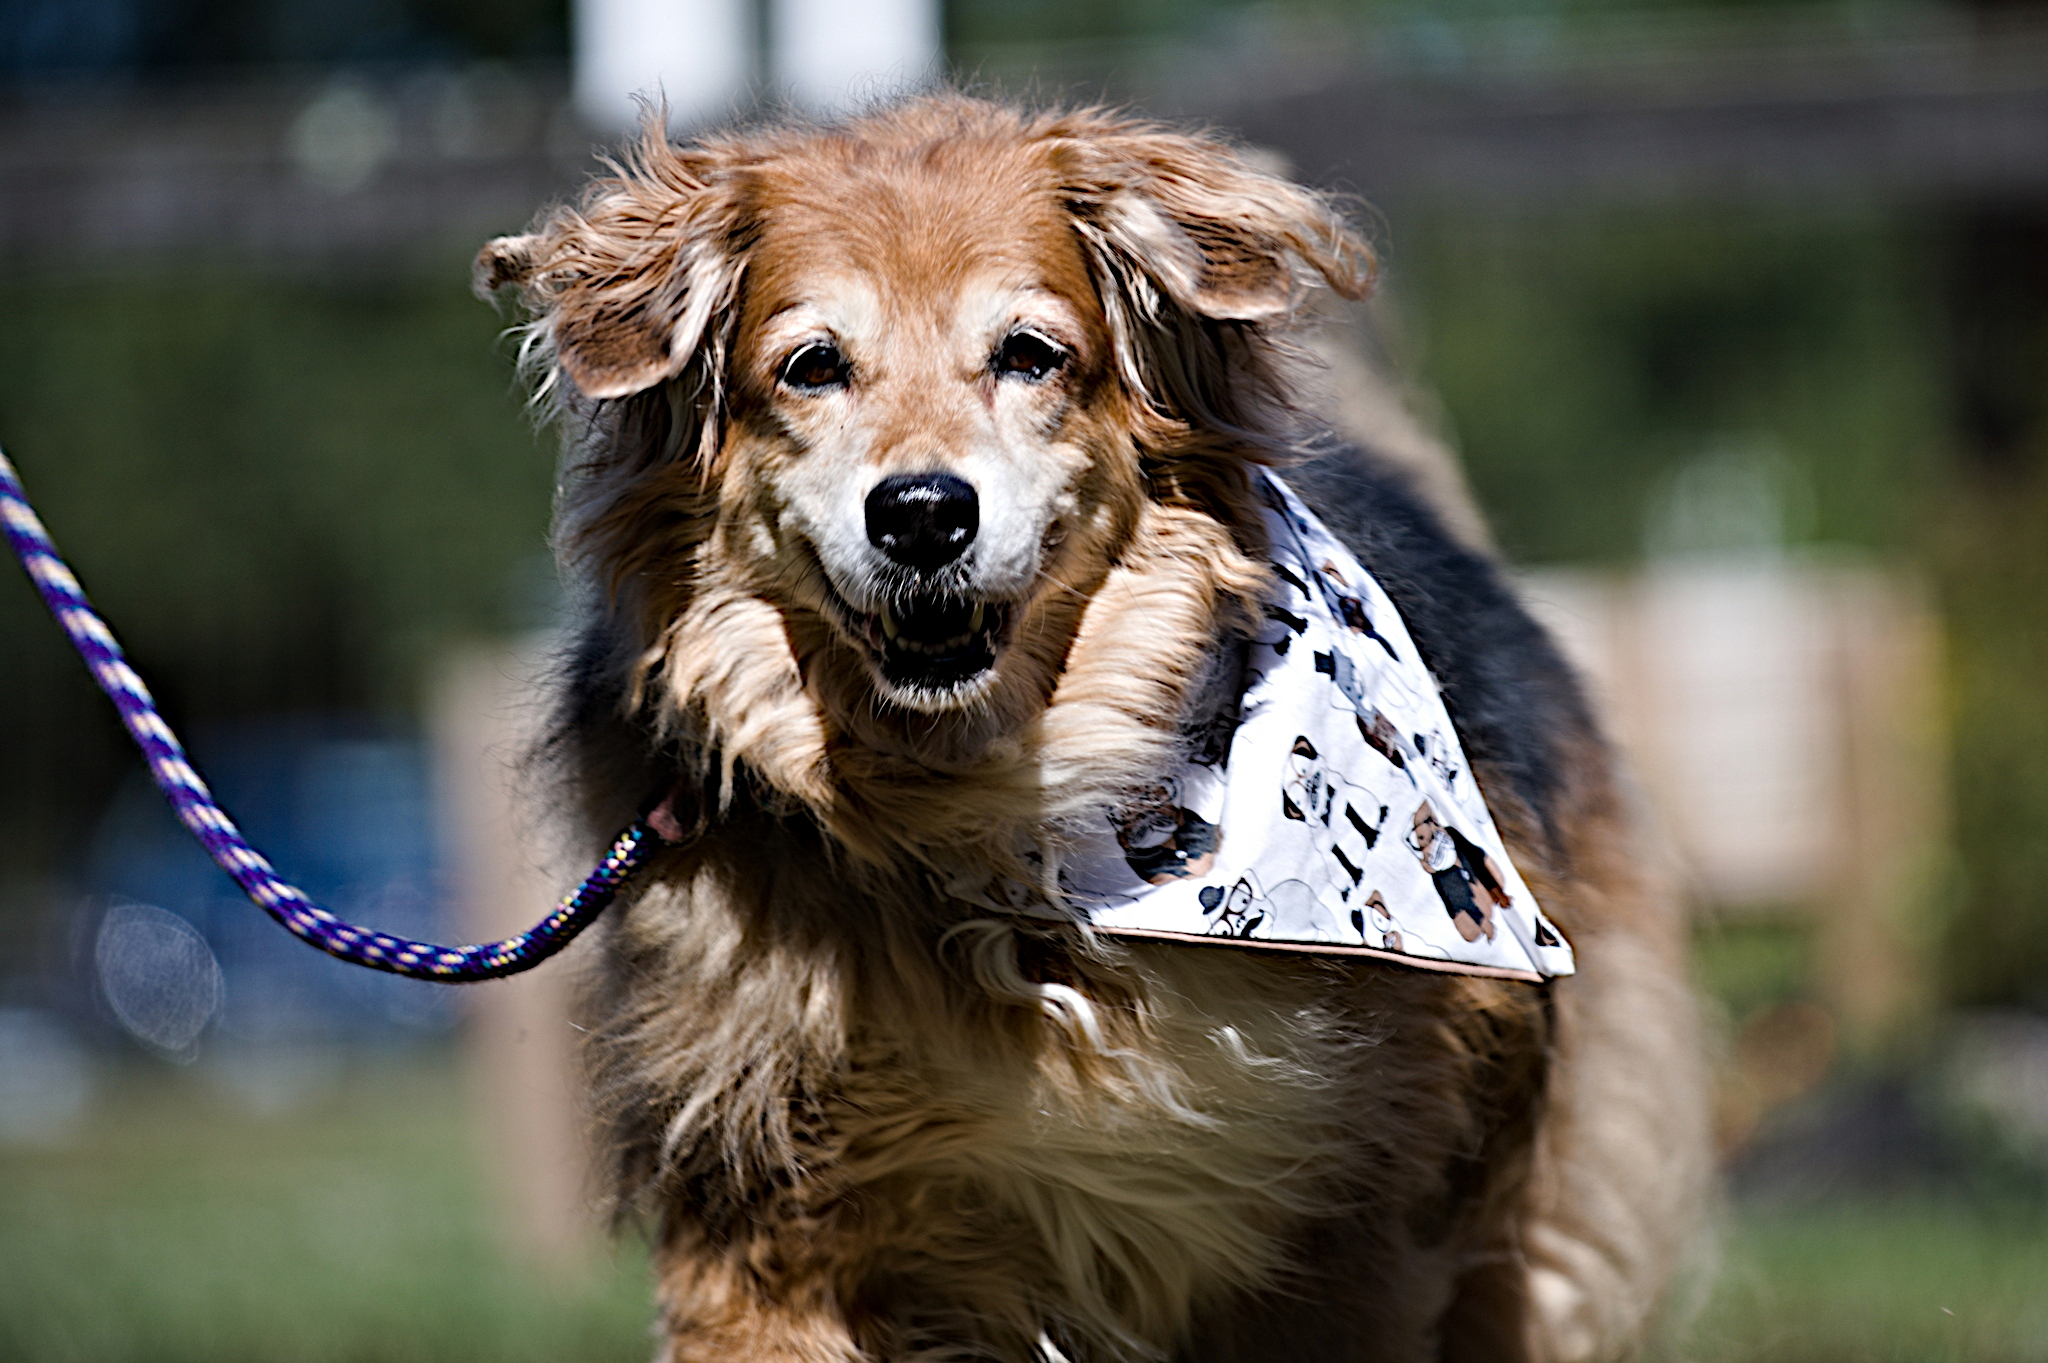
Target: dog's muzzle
929,638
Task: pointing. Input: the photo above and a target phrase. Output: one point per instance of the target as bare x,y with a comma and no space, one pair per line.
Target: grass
1912,1281
178,1226
353,1230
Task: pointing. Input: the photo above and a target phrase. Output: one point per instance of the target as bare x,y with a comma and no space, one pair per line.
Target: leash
195,808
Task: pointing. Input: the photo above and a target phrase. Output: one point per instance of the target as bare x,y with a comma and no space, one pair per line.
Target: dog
908,496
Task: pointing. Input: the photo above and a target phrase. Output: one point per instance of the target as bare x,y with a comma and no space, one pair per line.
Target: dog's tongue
663,819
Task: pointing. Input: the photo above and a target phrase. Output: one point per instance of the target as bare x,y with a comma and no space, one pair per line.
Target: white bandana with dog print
1326,805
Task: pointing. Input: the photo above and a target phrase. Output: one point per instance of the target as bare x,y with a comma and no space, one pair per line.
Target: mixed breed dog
920,492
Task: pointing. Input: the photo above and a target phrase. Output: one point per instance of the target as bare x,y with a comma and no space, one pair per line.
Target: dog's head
871,413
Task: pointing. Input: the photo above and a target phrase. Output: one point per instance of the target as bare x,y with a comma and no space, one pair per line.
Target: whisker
1071,591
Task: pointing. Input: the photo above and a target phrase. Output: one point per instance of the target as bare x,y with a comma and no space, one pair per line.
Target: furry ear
625,285
1203,262
1218,236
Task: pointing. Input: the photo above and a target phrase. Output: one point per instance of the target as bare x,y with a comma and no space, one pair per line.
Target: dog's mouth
935,643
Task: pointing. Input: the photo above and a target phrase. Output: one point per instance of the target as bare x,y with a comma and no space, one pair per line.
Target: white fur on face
922,396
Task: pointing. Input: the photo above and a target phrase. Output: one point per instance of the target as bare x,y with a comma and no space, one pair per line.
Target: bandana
1325,804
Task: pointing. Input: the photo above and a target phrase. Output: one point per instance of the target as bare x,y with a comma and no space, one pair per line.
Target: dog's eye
815,366
1028,356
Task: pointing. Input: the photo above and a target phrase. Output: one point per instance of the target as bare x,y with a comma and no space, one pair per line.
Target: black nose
923,520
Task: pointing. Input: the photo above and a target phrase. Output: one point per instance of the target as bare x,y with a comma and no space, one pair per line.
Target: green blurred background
295,478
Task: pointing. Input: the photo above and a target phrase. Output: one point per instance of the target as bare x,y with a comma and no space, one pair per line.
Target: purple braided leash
195,808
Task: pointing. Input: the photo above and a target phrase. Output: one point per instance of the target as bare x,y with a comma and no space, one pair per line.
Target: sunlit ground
178,1225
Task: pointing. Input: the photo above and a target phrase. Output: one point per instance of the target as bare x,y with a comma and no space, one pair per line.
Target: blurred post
1876,930
520,1042
698,55
828,53
1783,715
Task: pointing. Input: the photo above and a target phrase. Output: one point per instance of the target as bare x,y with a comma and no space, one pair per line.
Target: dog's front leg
767,1296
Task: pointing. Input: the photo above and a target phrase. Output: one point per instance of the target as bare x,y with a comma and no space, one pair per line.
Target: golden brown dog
908,485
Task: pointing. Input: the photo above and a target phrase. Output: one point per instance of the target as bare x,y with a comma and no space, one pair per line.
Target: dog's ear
625,285
1203,260
1217,235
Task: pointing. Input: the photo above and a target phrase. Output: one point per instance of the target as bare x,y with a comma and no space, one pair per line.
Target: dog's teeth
889,626
974,623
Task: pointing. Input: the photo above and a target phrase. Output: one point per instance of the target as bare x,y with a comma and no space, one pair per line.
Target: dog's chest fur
993,1131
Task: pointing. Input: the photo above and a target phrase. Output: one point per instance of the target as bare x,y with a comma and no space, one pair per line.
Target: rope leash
195,808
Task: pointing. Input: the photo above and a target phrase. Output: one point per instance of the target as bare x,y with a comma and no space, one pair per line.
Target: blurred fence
1791,102
1915,104
284,167
521,1041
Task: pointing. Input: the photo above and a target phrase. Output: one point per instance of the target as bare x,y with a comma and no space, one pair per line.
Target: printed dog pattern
1344,819
1335,809
1373,923
1162,840
1465,877
1291,911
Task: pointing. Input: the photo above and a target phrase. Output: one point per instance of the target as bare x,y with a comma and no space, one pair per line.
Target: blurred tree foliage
1993,548
1584,358
284,493
1992,262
